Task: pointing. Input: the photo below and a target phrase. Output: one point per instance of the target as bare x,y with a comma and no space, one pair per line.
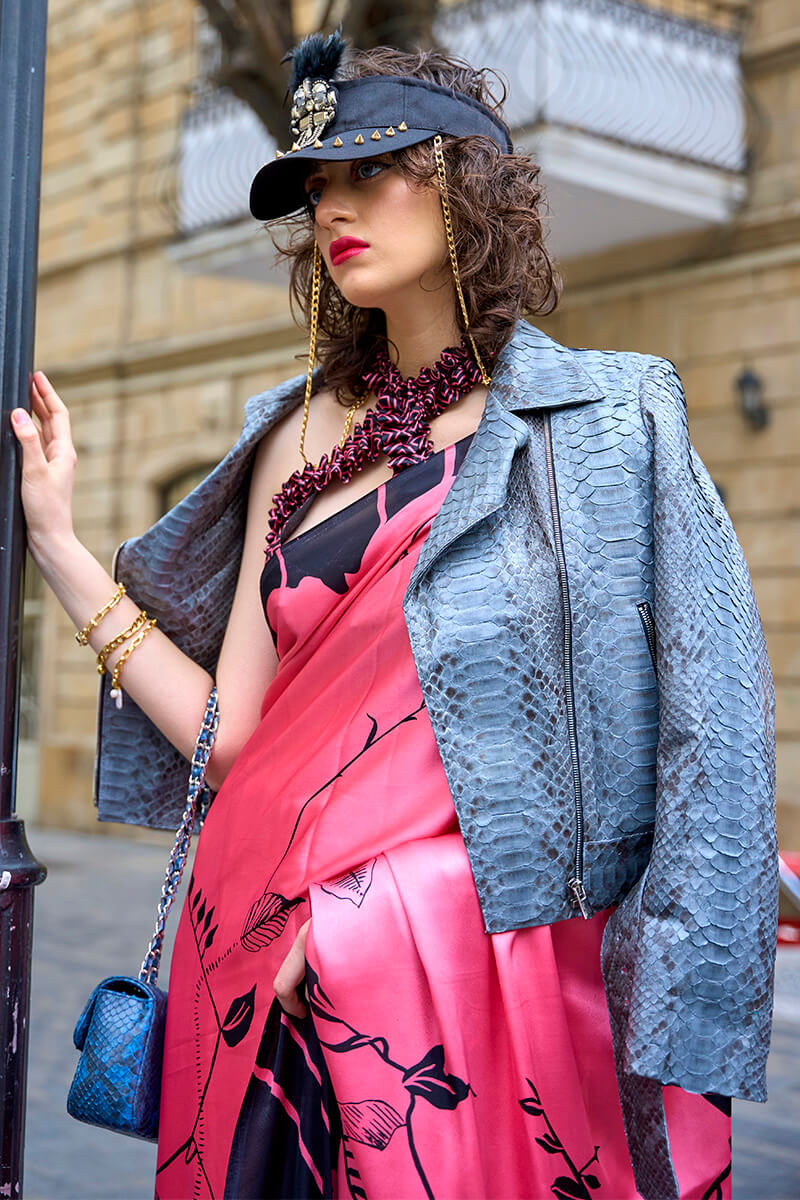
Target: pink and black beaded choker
397,426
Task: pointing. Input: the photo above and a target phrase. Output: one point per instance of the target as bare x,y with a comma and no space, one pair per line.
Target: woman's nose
333,207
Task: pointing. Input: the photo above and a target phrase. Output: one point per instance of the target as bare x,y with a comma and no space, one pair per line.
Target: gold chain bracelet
82,636
109,647
116,690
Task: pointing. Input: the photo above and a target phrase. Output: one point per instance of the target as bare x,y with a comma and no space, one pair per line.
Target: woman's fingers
48,464
290,975
49,396
30,439
54,416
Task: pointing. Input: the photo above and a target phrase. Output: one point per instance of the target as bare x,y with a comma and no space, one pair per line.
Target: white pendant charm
116,694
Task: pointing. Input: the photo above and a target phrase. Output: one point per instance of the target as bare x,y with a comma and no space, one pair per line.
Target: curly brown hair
495,202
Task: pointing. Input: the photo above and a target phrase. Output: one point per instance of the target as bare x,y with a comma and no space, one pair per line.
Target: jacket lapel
480,486
532,372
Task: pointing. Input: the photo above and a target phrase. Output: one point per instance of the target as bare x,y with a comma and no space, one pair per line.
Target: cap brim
277,190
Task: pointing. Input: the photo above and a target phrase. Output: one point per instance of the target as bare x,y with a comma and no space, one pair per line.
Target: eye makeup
315,181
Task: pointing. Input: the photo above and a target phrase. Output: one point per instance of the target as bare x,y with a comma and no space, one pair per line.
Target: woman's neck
420,337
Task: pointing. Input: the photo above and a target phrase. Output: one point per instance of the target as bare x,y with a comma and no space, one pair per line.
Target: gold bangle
116,690
133,628
82,636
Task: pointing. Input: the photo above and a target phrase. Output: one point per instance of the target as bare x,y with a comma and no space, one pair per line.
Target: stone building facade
155,361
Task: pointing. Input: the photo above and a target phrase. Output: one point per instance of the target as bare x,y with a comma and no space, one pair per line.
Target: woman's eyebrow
313,174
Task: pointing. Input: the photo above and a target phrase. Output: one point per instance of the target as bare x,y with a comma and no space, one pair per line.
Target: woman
516,675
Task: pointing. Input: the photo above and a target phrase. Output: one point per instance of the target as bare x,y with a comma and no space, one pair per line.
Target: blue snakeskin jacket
592,660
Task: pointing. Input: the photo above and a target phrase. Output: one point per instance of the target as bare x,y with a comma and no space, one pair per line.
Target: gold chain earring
451,246
313,325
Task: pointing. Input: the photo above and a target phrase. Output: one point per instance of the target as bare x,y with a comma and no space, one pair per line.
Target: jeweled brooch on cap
314,100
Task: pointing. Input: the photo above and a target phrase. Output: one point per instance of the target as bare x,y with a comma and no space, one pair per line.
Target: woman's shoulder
617,374
618,367
277,430
280,412
640,381
265,408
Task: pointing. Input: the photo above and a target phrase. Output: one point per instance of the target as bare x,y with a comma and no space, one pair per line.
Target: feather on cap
316,57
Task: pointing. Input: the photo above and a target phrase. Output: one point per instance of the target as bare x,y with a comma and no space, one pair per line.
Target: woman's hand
48,464
291,973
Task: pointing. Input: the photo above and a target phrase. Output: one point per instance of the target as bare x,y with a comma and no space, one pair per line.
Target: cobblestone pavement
93,917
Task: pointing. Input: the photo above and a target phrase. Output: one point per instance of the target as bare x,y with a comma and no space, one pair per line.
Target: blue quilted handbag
120,1032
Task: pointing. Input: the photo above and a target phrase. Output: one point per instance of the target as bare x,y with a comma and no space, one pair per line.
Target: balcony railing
612,68
595,82
223,143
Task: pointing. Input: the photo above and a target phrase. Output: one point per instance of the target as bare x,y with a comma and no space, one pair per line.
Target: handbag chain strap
180,849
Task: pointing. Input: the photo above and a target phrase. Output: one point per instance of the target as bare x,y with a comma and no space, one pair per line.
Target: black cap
359,118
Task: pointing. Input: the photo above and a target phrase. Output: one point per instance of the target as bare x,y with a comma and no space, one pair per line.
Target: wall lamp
750,389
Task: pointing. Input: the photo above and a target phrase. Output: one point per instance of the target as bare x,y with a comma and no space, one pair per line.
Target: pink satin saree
437,1060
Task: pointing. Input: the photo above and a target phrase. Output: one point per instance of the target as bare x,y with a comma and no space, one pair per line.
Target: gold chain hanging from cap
451,246
316,281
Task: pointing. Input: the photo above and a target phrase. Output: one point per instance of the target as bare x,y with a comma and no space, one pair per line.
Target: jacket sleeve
689,954
183,571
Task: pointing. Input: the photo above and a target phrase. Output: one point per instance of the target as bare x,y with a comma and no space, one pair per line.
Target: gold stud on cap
359,141
375,136
390,131
295,146
279,154
337,141
402,127
317,144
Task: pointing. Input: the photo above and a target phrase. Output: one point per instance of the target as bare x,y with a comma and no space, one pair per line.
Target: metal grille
615,69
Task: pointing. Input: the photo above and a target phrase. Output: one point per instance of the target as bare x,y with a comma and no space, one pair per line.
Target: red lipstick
346,247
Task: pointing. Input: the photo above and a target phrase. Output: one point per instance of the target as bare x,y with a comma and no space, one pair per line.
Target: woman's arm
166,684
248,660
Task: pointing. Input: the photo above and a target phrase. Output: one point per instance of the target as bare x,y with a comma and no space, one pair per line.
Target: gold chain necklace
316,278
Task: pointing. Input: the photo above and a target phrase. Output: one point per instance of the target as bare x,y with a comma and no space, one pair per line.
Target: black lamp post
23,25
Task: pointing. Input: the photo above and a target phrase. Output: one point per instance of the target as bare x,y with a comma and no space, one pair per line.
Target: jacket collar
532,372
535,371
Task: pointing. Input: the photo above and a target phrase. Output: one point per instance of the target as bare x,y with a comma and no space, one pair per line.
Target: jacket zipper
648,624
576,887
